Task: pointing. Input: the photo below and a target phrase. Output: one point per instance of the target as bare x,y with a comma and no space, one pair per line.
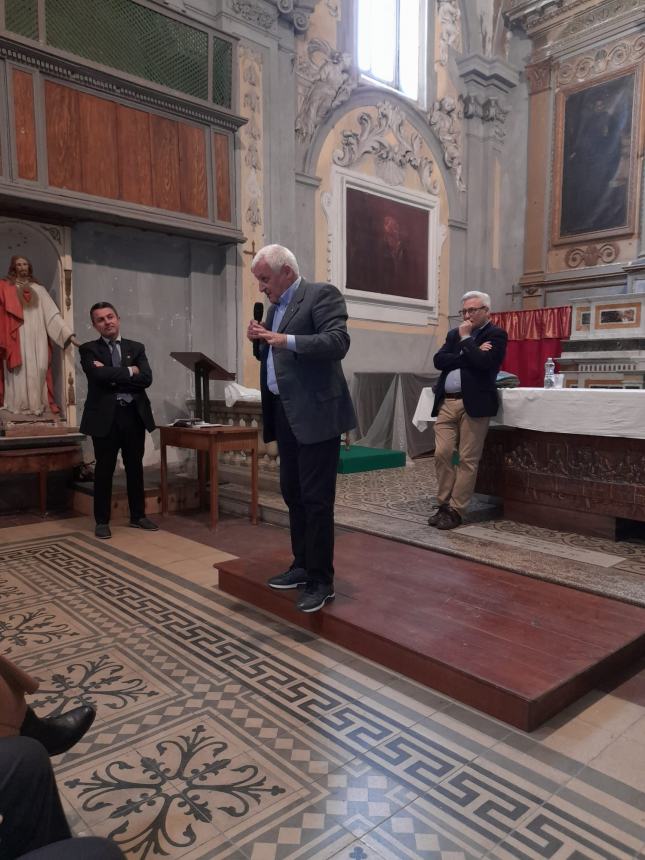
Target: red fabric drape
533,336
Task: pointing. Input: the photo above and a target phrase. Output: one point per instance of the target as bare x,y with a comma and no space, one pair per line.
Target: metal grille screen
222,72
21,17
132,38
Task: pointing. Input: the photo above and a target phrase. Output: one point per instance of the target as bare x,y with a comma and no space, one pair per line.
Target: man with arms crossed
117,414
465,400
306,407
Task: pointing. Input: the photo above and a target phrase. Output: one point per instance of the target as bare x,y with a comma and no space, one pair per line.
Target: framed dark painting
596,128
387,246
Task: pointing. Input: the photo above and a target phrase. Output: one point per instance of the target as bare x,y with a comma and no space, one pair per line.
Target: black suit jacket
313,389
478,368
104,383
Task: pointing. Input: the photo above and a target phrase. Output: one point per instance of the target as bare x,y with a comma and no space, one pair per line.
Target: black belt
122,402
453,395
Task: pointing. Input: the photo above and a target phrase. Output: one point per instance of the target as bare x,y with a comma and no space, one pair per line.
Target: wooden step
517,648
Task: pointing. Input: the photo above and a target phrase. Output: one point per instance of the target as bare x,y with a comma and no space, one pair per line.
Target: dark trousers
128,435
308,485
32,815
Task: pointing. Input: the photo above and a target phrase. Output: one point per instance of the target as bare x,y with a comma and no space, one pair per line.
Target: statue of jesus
29,320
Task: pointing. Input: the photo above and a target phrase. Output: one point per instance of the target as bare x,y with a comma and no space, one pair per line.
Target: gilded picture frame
597,129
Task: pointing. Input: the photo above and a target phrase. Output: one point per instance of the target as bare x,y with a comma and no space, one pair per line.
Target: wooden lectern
204,369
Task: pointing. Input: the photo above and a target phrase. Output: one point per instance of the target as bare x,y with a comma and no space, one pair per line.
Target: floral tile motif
27,629
160,798
102,680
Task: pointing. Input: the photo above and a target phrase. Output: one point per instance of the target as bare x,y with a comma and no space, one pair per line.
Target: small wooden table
210,440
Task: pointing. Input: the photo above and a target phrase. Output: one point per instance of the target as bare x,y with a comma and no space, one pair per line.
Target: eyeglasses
468,311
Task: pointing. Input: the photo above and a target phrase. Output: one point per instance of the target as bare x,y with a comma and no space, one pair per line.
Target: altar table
572,459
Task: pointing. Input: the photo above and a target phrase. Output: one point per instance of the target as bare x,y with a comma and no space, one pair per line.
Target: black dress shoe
102,530
436,516
144,523
58,734
449,519
315,596
293,578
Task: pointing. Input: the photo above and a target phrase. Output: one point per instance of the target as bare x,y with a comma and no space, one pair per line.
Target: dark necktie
115,353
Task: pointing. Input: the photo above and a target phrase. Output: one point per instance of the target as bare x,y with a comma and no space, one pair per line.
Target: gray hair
276,256
484,298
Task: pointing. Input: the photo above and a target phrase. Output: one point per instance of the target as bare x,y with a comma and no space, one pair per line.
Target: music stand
204,369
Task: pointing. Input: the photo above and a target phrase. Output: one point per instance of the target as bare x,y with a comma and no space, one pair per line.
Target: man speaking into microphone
306,407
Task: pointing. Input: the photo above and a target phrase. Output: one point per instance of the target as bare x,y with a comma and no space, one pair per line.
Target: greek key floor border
222,732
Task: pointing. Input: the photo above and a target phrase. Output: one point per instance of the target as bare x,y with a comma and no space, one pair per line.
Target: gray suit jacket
313,389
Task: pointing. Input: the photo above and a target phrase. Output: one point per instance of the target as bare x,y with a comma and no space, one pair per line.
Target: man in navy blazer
117,414
465,399
305,407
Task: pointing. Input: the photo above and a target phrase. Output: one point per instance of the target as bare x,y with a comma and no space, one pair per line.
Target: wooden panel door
25,124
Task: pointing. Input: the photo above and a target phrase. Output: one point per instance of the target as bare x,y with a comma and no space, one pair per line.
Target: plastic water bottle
549,370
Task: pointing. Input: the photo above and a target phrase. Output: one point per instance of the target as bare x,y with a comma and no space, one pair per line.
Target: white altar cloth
618,412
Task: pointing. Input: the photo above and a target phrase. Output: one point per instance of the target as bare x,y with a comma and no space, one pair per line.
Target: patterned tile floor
224,733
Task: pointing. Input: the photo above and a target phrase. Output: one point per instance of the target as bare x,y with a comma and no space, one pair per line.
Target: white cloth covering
25,389
617,412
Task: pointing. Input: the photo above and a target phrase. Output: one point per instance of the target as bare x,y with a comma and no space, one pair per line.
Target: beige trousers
455,430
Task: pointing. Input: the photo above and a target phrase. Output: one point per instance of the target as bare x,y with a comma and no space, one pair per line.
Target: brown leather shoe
449,519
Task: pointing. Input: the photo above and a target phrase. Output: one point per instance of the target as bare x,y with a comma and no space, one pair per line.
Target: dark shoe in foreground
58,734
144,523
314,597
102,530
449,519
434,518
293,578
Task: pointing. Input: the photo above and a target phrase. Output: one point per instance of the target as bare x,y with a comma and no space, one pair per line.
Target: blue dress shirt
280,308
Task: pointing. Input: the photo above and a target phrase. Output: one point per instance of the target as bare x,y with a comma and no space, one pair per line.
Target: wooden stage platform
517,648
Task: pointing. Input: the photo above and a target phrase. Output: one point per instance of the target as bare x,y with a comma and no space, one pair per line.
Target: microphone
258,312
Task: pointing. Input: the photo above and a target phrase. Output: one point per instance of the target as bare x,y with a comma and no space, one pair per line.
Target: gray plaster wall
171,294
389,352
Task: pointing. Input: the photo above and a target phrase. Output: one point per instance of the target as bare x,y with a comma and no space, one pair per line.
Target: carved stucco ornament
385,141
591,255
254,13
450,23
443,122
488,110
297,12
332,79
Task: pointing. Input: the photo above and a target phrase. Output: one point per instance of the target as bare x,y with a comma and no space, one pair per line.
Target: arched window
391,44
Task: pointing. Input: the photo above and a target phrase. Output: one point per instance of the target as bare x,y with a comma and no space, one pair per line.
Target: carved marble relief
252,136
449,18
578,463
330,80
384,139
443,122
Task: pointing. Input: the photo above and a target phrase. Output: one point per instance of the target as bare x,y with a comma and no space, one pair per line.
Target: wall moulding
118,87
